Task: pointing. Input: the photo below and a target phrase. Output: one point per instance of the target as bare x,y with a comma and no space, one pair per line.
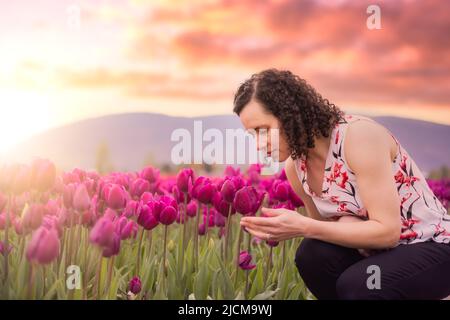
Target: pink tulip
102,233
44,246
115,197
81,199
32,218
113,248
131,209
230,171
138,187
192,209
150,174
168,215
245,260
126,228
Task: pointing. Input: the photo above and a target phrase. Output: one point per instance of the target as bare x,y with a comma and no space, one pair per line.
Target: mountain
131,138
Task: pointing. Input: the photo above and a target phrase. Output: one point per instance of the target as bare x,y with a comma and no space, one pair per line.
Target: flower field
139,235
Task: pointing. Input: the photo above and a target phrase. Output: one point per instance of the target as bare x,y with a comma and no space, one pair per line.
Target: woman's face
266,127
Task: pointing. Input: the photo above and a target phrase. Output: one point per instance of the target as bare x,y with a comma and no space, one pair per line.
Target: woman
353,176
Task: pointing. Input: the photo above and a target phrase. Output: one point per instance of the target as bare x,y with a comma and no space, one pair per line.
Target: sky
64,61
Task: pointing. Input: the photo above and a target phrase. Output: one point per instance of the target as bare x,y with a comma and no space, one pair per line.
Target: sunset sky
63,61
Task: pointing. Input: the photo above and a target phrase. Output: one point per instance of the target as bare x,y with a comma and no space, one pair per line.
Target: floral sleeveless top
423,216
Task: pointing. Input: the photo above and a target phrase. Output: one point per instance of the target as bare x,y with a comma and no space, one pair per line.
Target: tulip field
141,235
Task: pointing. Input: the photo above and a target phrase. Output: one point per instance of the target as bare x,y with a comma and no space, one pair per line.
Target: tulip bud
135,285
245,260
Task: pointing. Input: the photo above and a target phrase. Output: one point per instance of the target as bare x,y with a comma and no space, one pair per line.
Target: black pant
408,271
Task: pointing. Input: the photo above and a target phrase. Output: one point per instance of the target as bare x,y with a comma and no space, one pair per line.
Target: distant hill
133,137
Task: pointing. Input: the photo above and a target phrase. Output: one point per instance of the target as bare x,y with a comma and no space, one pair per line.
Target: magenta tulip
146,218
150,174
203,190
44,246
138,187
113,248
102,233
245,261
247,201
184,180
135,285
192,209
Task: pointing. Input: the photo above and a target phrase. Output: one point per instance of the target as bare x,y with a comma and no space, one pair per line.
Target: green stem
196,225
238,251
228,234
99,276
138,261
110,273
269,263
165,249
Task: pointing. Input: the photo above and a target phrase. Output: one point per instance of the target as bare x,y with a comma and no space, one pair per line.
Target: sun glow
22,114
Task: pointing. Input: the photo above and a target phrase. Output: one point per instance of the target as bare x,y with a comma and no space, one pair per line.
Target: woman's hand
277,224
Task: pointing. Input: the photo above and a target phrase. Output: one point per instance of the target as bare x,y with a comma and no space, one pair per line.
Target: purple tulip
135,285
113,248
228,190
247,201
203,190
168,215
222,206
282,190
146,218
245,260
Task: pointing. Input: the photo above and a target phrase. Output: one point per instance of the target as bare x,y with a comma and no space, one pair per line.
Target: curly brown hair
286,95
